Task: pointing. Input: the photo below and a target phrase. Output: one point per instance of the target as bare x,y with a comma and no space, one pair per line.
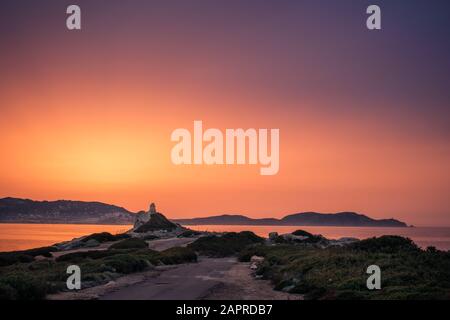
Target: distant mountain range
14,210
343,219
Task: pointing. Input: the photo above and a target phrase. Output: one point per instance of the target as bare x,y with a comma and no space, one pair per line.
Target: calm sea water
26,236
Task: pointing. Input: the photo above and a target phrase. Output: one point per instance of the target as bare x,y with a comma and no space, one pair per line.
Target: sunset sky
363,115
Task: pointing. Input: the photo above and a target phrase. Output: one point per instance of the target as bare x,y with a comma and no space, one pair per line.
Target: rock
292,237
256,259
342,241
255,262
110,283
348,239
91,243
273,235
156,224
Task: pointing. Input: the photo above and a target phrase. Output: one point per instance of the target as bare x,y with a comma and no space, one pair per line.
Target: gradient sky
363,115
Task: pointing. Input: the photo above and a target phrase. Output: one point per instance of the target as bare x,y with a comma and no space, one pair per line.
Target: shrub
150,237
9,258
385,244
302,233
82,255
131,243
105,237
22,287
225,245
189,233
178,255
126,263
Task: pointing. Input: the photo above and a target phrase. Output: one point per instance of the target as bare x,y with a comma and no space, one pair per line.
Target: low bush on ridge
226,245
189,233
9,258
105,237
131,243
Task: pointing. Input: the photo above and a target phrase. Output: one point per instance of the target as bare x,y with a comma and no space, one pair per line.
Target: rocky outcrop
302,237
155,223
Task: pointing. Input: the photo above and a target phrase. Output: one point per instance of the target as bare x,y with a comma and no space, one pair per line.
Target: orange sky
116,149
91,120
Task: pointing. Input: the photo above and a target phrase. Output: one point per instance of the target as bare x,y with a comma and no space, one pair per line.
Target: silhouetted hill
14,210
346,219
62,211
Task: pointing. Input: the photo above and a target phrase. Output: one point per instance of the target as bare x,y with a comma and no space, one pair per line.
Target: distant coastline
340,219
16,210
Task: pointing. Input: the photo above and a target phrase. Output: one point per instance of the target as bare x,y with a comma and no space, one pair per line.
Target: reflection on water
422,236
26,236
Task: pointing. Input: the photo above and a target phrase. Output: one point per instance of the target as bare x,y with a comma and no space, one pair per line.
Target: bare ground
240,284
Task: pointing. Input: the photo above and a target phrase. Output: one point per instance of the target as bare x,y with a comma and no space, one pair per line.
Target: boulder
273,235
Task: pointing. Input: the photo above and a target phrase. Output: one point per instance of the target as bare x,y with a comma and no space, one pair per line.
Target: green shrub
178,255
302,233
150,237
105,237
385,244
226,245
131,243
9,258
126,263
189,233
22,287
83,255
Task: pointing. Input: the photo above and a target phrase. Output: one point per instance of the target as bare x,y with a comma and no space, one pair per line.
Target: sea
26,236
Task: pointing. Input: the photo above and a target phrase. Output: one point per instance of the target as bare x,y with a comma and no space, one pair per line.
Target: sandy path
209,279
185,282
238,283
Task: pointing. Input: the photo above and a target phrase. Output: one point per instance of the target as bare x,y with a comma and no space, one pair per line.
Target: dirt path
209,279
185,282
238,283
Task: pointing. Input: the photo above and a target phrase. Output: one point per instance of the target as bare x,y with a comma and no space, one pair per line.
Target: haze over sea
26,236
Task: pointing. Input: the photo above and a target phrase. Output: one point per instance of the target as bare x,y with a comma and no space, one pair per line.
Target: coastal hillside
344,219
14,210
